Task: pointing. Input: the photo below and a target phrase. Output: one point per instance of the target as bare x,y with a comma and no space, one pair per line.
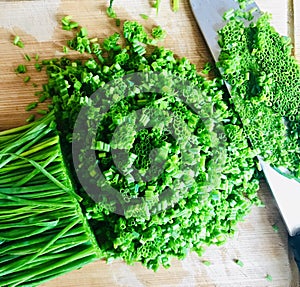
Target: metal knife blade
209,16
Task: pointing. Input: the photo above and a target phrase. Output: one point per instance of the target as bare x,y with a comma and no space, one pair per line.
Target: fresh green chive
269,277
21,69
238,262
30,119
26,79
31,106
144,16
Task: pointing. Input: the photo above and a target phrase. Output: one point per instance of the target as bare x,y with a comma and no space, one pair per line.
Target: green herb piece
27,79
65,49
158,33
21,69
238,262
269,277
175,5
17,42
111,12
156,5
144,16
30,119
206,262
275,228
38,67
31,106
67,24
118,22
27,57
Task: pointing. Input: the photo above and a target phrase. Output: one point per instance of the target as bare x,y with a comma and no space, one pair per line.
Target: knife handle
294,242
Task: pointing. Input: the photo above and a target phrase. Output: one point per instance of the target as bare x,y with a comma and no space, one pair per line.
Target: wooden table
262,250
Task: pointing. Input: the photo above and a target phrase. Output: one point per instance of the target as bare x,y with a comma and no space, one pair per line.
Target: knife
209,16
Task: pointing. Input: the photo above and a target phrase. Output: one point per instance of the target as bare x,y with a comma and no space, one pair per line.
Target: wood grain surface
262,250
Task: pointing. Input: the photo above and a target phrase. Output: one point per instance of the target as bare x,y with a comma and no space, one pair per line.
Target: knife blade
209,17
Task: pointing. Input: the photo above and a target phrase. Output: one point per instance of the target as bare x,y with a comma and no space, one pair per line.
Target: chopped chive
144,16
65,49
34,85
206,262
37,57
238,262
31,106
42,112
26,79
18,42
27,57
118,22
111,12
175,5
38,67
21,69
268,277
30,119
275,228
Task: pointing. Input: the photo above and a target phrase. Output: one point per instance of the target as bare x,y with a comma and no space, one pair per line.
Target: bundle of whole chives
43,232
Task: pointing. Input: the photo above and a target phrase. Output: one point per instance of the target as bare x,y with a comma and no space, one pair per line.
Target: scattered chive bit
275,227
17,42
156,5
34,85
38,67
65,49
175,5
118,22
67,24
37,57
206,262
42,112
27,57
26,79
238,262
158,33
269,277
21,69
31,106
144,16
207,68
30,119
110,11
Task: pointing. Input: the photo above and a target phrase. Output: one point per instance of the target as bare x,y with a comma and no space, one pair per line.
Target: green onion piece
30,119
275,228
38,67
65,49
144,16
111,12
269,277
175,5
18,42
238,262
26,79
31,106
206,262
27,57
21,69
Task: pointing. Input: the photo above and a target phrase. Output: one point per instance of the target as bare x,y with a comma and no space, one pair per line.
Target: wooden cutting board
262,250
